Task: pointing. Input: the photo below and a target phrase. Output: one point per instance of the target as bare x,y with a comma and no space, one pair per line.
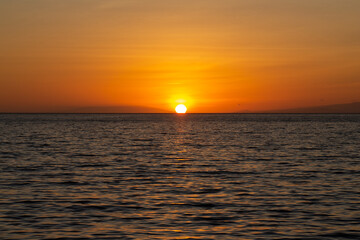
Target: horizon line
247,113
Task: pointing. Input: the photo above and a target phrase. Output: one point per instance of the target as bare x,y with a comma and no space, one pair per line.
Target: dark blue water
164,176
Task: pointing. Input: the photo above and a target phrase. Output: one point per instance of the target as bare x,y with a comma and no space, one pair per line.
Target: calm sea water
165,176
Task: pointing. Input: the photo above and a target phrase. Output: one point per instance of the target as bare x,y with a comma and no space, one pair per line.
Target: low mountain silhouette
117,109
335,108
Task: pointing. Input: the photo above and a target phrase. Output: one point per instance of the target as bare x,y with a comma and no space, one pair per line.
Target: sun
181,108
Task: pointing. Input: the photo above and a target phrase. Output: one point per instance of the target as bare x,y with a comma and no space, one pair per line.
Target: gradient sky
212,55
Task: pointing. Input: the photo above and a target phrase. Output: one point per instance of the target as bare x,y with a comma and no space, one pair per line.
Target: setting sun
181,108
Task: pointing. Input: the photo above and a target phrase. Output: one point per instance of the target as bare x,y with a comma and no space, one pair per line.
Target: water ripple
161,176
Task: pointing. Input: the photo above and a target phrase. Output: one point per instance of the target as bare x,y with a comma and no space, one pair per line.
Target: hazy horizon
335,108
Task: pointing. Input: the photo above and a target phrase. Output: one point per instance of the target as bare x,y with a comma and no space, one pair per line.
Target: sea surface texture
167,176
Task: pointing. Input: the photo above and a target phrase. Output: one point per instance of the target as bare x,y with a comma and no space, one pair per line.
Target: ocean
168,176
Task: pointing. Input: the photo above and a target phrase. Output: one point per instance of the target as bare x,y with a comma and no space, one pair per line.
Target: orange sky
212,55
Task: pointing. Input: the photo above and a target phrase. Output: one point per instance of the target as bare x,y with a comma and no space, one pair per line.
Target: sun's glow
181,108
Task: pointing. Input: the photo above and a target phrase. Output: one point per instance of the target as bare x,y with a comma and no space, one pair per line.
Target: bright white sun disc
181,108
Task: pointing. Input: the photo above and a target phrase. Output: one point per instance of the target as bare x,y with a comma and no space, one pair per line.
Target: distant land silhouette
335,108
117,109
